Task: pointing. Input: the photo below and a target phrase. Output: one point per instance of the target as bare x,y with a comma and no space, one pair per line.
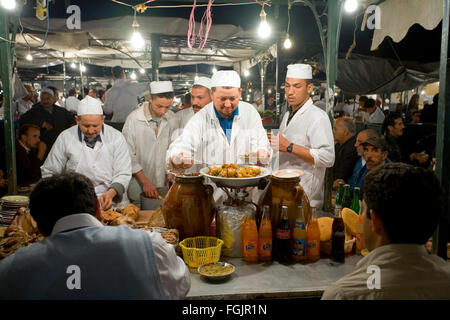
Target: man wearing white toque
95,150
148,130
222,131
200,97
305,139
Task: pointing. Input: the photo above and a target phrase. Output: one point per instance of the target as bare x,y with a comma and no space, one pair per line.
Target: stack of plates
9,207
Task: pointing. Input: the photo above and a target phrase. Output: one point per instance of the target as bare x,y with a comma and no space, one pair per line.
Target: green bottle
355,202
347,198
340,194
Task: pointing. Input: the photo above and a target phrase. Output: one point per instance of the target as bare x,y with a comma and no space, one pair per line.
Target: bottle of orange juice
250,239
299,236
313,237
265,236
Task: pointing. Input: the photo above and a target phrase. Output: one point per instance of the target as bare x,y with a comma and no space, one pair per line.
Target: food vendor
223,130
95,150
305,139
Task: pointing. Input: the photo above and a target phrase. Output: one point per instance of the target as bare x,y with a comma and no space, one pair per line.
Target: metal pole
262,82
156,56
440,237
81,80
277,93
6,73
64,72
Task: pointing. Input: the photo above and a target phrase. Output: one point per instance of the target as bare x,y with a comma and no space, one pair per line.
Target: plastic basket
198,251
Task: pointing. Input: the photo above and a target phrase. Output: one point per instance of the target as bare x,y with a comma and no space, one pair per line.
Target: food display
216,269
123,220
110,215
234,171
131,211
171,236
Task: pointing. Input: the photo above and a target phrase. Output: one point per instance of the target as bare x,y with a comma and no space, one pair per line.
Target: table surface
272,280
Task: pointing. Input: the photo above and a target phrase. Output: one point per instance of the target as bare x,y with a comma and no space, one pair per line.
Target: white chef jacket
121,99
148,150
71,104
180,120
67,151
407,271
377,116
204,139
258,107
310,128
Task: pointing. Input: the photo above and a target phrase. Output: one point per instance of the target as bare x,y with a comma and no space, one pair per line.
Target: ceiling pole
6,70
441,236
156,56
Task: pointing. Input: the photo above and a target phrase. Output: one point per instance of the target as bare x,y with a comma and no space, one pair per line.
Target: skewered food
233,171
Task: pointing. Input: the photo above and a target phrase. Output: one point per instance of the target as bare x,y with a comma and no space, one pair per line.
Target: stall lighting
269,91
9,4
133,76
82,68
29,57
422,92
287,43
142,70
246,73
196,78
214,70
73,65
350,5
137,41
264,28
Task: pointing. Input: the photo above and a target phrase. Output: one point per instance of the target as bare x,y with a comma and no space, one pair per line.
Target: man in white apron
305,139
147,131
95,150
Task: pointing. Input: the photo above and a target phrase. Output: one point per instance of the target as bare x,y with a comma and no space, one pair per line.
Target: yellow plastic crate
198,251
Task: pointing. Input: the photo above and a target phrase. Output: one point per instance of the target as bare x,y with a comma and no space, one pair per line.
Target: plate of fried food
216,271
235,176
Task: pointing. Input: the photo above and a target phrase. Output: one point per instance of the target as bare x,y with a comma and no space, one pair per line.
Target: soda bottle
359,236
355,202
337,237
347,198
283,237
313,237
265,236
339,194
299,236
250,239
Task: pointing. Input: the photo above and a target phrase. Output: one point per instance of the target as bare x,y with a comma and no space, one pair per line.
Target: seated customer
346,156
393,127
30,153
398,219
113,262
375,153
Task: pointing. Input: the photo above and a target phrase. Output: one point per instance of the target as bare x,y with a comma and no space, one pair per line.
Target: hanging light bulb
196,78
73,65
29,57
9,4
287,43
137,41
133,76
350,5
264,28
246,73
82,68
142,70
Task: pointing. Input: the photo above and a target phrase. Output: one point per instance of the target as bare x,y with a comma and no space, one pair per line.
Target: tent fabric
395,23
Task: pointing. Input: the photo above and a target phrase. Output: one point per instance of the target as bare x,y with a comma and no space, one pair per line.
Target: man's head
93,93
29,135
375,152
72,92
298,84
60,196
270,100
343,129
90,117
402,204
226,91
362,137
415,117
55,93
161,98
187,100
393,124
362,101
200,97
47,98
30,91
370,105
117,73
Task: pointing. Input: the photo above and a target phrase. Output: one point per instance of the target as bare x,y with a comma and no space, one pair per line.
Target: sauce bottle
313,237
299,236
337,237
283,237
265,236
250,239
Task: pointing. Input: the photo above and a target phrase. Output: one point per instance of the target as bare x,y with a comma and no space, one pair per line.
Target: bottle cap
300,207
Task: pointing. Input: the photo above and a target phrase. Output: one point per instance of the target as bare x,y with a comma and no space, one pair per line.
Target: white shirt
376,117
23,106
310,128
258,107
174,274
180,120
407,271
121,99
67,150
71,104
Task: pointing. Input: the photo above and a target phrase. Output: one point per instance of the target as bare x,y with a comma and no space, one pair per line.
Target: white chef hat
299,71
160,87
257,95
226,78
47,90
315,98
203,81
89,105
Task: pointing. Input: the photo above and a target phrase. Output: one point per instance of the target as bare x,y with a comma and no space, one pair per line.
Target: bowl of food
216,271
235,176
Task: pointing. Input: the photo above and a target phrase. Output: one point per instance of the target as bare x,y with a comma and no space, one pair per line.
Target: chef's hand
263,157
279,143
150,190
106,199
182,161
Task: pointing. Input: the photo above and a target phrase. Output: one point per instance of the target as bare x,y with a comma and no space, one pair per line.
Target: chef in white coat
223,130
148,130
200,97
305,139
95,150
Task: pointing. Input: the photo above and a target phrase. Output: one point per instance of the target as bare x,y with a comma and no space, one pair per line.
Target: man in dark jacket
50,118
393,129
